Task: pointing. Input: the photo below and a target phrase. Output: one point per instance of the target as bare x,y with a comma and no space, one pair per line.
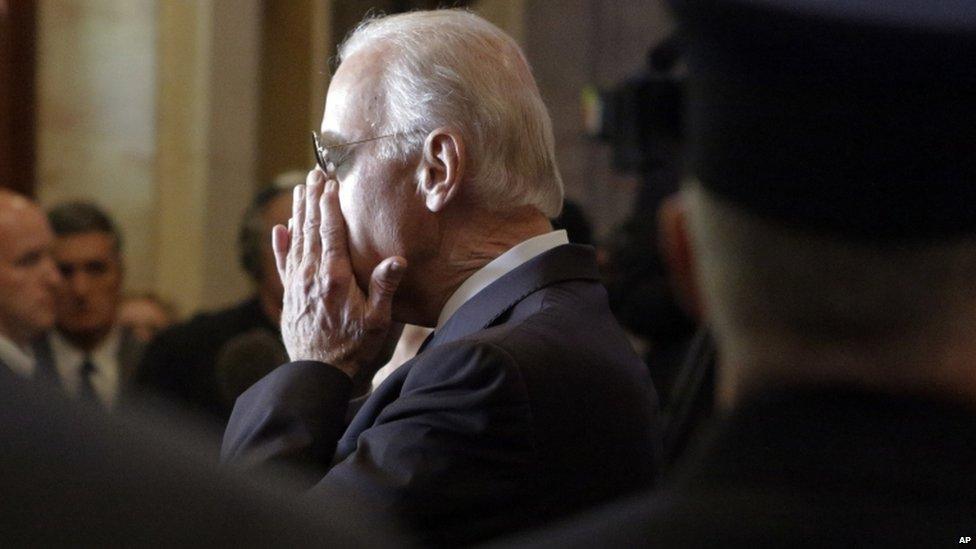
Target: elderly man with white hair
430,206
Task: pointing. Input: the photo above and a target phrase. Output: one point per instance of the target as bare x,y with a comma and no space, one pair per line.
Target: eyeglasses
320,150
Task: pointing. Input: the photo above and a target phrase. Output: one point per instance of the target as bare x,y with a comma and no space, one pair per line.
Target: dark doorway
17,98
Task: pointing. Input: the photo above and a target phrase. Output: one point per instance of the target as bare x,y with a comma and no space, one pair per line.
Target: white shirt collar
21,361
499,267
105,379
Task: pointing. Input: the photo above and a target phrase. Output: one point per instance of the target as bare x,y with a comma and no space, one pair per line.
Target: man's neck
468,242
943,369
87,341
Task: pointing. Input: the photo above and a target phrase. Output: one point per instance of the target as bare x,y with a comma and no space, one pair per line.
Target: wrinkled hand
325,315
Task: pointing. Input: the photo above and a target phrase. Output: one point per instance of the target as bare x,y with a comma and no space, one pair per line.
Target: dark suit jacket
73,476
5,368
816,468
180,364
528,404
130,355
44,370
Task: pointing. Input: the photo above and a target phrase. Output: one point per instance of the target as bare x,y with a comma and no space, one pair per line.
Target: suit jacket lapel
563,263
363,411
129,354
45,370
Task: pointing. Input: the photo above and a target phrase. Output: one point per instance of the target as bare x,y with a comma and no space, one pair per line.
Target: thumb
382,285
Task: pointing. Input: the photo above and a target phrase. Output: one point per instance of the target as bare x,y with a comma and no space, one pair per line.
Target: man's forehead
25,219
17,210
85,246
19,239
354,102
364,65
93,239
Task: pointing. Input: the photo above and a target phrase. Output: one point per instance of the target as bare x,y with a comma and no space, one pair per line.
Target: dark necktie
85,389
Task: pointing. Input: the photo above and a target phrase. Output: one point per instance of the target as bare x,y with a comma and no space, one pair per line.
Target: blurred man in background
29,281
207,361
94,357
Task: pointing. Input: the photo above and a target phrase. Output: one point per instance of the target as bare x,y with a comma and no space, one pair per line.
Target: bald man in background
29,280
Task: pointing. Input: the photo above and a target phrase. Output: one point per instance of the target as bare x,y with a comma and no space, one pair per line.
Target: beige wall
286,75
575,43
508,15
209,58
149,108
96,120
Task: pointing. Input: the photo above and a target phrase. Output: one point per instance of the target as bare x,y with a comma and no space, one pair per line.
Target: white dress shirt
481,279
104,379
499,267
20,361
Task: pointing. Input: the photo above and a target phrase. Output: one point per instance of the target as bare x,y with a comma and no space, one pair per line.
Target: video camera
641,118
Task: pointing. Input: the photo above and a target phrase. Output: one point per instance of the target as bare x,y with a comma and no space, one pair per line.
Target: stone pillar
508,15
206,162
95,116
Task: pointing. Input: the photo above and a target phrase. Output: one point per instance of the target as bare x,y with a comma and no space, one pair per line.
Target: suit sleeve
294,415
452,449
152,370
454,446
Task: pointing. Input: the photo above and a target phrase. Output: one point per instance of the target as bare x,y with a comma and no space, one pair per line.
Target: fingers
382,286
279,243
335,247
313,193
297,222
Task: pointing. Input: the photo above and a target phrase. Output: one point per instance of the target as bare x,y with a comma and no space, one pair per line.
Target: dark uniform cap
850,117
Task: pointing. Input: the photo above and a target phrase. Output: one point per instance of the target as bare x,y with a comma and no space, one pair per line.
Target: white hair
451,68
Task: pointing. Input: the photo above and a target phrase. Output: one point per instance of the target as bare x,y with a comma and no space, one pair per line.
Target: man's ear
443,167
676,247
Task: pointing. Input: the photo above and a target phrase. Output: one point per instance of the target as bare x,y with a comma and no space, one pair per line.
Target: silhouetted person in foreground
829,221
73,476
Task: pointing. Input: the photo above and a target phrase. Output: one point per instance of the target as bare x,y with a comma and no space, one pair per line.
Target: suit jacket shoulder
831,467
180,362
129,356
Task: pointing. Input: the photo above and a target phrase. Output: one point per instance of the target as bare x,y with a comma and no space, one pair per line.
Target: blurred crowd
774,349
